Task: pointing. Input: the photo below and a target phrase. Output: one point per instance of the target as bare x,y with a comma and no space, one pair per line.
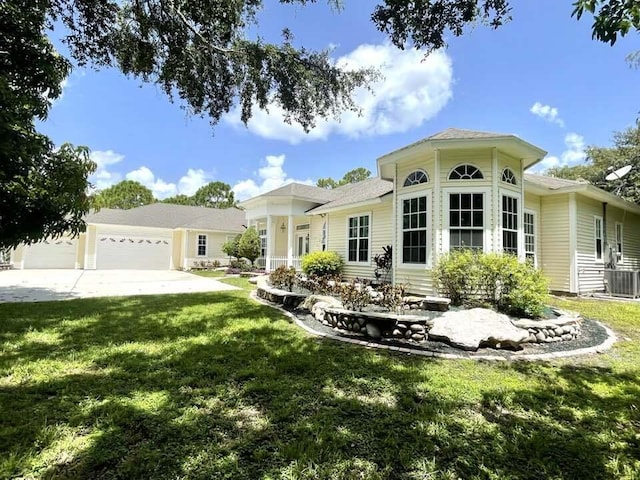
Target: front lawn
215,386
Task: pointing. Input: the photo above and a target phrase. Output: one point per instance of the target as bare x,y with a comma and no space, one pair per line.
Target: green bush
322,263
487,279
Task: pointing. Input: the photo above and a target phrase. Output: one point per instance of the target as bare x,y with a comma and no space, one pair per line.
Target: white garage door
58,253
133,253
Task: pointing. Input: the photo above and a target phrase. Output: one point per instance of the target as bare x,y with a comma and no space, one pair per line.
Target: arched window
415,178
508,176
466,172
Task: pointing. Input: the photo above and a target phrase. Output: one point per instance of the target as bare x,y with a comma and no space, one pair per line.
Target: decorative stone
567,336
311,300
401,326
363,329
412,300
417,328
373,331
532,338
417,337
407,334
435,304
397,333
540,337
468,329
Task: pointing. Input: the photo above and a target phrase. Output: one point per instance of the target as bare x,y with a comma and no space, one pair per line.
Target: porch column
267,258
290,241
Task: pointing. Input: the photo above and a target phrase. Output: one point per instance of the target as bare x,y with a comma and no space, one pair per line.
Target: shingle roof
352,193
551,183
166,215
320,195
459,134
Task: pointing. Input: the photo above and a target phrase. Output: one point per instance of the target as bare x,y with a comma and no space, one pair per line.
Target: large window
202,245
619,241
597,234
466,172
358,247
414,230
510,224
530,237
466,220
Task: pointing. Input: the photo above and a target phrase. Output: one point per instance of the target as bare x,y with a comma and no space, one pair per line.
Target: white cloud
572,155
271,176
159,187
412,90
102,177
547,112
192,181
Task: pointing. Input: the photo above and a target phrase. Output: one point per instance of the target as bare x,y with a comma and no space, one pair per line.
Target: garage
128,252
58,253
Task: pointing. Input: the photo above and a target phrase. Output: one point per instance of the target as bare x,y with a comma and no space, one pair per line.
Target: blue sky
540,77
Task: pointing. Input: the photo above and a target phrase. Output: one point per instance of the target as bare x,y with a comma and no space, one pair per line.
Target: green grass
209,273
214,386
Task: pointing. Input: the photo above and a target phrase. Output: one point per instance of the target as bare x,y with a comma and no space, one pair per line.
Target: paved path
46,285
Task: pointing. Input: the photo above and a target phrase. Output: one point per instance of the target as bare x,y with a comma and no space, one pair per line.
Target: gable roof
167,215
300,190
356,193
461,134
552,183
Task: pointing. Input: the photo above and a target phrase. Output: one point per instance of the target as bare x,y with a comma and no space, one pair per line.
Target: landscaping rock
417,337
311,300
468,329
373,331
435,304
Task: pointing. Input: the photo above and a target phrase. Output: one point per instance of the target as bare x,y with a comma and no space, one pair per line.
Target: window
414,230
304,226
466,220
415,178
202,245
466,172
358,246
619,241
263,241
530,237
597,223
508,176
509,225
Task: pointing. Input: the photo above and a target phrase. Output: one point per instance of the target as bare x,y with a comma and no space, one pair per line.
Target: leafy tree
180,200
352,176
602,160
214,195
43,189
232,247
124,195
249,245
426,23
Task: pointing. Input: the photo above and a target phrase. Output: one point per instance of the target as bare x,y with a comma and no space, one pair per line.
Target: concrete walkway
47,285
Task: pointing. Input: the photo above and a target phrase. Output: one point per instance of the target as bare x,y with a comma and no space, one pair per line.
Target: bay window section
358,239
510,225
414,230
466,221
530,237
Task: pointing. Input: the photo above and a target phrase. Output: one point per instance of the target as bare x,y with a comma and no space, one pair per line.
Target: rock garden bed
425,322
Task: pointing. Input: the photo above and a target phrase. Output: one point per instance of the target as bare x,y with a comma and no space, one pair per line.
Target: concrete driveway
46,285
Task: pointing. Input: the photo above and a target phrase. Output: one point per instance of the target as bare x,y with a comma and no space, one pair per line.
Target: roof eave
597,194
322,210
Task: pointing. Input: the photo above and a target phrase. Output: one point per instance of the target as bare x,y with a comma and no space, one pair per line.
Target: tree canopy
124,195
352,176
603,160
214,195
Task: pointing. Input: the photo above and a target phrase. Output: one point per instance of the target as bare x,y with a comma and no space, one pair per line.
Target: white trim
437,224
449,179
487,228
597,218
346,256
520,226
428,194
415,184
621,225
394,221
495,208
206,245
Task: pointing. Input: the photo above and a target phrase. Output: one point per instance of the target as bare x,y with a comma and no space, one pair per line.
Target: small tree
232,247
249,245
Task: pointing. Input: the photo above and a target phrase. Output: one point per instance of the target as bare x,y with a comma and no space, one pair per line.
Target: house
159,236
455,189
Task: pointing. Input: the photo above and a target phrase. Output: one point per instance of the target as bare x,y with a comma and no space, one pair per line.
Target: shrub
391,296
323,285
383,262
354,295
322,263
283,277
240,265
232,247
501,281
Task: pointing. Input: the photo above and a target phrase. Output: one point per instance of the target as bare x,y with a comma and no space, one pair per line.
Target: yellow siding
481,158
315,233
590,271
90,248
215,240
425,163
554,241
630,237
177,250
381,235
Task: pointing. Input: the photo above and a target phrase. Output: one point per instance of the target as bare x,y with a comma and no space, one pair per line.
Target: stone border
604,346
